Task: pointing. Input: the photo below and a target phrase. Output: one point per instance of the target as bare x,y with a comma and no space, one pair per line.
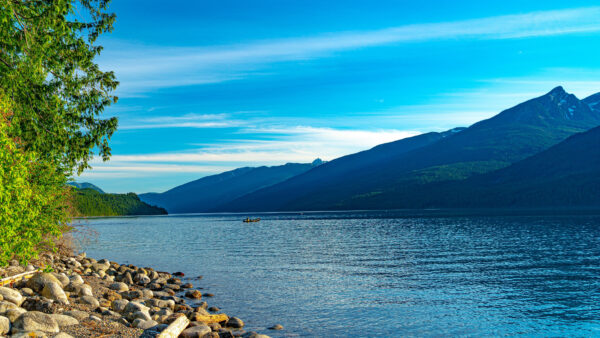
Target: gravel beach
77,296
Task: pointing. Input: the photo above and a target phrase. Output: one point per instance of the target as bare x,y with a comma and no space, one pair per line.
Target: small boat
251,220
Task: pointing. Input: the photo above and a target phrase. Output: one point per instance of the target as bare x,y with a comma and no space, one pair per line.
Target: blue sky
209,86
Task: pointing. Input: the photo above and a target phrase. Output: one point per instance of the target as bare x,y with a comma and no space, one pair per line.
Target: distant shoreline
567,211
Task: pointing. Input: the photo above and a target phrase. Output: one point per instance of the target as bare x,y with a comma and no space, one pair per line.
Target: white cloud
143,68
300,144
183,121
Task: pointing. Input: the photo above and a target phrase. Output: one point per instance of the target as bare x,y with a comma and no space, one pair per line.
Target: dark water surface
378,273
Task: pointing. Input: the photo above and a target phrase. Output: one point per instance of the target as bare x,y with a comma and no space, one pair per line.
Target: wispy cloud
183,121
143,68
299,144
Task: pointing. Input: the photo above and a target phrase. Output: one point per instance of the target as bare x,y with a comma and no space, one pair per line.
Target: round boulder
40,279
36,321
119,287
11,295
53,290
195,331
235,323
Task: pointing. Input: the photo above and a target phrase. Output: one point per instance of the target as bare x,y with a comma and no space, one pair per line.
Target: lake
381,273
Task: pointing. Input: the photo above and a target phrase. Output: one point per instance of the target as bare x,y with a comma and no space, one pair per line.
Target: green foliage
47,71
33,200
51,96
89,202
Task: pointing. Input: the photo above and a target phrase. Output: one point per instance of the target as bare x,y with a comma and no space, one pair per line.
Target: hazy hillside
85,185
506,138
212,191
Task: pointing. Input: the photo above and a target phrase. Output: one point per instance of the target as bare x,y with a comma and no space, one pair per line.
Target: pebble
119,287
89,300
95,318
195,331
235,323
140,298
276,327
193,294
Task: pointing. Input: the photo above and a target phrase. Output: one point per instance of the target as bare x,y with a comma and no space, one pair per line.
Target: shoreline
85,297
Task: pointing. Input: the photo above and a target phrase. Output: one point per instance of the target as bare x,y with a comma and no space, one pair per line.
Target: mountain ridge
512,135
202,194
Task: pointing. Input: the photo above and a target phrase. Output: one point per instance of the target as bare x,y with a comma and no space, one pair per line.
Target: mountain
565,175
495,143
89,202
210,192
342,170
85,185
593,102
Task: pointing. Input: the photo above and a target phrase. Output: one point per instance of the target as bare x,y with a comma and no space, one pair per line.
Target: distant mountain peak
561,97
559,90
317,162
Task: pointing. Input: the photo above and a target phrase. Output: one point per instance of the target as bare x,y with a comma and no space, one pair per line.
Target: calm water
379,273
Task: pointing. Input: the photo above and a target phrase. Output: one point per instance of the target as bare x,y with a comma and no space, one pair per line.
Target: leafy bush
33,200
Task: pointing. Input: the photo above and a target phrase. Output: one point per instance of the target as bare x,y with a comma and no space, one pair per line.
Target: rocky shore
77,296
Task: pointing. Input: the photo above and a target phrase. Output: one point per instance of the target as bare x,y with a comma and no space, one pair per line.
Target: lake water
378,273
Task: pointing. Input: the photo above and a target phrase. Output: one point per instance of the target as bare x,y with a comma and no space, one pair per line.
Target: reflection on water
379,273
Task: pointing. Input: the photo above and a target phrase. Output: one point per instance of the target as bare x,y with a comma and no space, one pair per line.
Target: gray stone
95,318
42,304
235,323
147,294
89,300
53,290
76,279
27,292
127,278
201,311
64,320
132,307
5,306
4,325
119,287
11,295
276,327
160,303
139,314
119,305
143,324
64,280
79,289
13,314
195,331
39,280
132,294
77,314
36,321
